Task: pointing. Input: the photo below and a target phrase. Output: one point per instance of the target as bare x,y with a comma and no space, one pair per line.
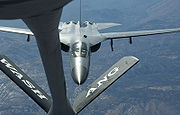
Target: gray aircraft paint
42,18
45,29
75,34
82,100
80,39
25,83
103,82
88,33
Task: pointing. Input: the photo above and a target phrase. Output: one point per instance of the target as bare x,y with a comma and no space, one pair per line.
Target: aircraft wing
16,30
117,35
22,31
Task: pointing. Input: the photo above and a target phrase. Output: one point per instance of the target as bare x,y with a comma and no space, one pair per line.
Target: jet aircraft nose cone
79,74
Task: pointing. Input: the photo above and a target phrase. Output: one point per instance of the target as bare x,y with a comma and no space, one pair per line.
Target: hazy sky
71,11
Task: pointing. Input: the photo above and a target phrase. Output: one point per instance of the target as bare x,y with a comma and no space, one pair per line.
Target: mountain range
152,87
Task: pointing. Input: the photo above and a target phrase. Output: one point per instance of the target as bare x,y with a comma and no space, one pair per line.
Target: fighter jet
81,39
42,18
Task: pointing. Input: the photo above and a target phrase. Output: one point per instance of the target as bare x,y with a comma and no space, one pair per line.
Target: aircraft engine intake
95,47
64,47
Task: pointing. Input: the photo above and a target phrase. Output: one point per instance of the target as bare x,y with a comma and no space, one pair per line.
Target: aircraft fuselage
79,61
79,39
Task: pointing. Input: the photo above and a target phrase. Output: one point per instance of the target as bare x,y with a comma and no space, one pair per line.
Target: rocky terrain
152,87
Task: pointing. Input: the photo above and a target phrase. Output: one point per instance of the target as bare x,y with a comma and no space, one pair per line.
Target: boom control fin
103,82
25,83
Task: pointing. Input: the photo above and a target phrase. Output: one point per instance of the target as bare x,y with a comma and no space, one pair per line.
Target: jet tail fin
103,82
101,26
25,83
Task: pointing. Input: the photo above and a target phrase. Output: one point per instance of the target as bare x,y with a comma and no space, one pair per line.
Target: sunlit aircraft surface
81,39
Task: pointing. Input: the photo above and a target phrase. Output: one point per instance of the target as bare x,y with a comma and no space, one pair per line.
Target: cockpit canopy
86,23
71,22
79,49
